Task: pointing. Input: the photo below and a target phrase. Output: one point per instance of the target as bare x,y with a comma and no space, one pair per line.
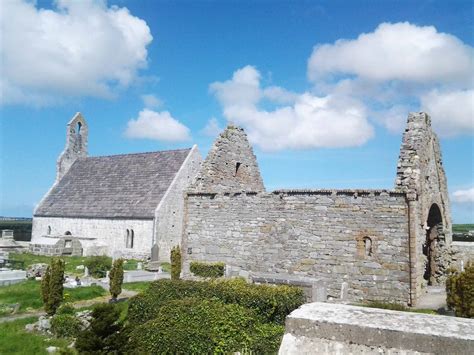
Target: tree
52,286
460,292
116,278
175,262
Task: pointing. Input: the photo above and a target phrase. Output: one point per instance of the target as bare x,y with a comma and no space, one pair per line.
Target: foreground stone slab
324,328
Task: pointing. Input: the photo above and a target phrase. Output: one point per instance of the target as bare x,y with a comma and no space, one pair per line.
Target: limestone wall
318,236
322,328
169,213
464,251
97,236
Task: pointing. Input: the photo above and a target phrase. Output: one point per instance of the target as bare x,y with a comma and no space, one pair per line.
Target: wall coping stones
322,192
380,328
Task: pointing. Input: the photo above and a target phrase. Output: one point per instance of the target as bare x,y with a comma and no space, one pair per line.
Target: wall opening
49,230
67,233
237,167
78,128
130,239
368,251
434,231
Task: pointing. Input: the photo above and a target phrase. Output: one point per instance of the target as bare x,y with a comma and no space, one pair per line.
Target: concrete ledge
325,328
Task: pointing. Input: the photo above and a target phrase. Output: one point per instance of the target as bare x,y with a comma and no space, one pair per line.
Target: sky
322,88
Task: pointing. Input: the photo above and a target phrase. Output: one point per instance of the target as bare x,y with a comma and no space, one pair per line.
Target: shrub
99,265
272,303
175,262
66,308
460,292
212,270
52,286
65,325
116,278
103,335
178,329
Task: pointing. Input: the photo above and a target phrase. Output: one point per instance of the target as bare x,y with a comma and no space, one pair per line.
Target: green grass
462,228
396,307
28,294
15,340
139,286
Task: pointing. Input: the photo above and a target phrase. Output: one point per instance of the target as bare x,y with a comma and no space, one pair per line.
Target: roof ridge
142,153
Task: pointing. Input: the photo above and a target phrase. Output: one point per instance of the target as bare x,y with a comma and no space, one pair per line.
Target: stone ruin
349,244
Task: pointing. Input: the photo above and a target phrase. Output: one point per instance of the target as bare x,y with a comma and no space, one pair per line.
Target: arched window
49,230
130,238
78,130
68,233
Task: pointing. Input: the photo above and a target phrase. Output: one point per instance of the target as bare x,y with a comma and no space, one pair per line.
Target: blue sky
323,88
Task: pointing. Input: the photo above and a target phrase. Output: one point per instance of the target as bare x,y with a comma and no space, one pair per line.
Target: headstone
319,293
86,271
139,265
107,275
160,269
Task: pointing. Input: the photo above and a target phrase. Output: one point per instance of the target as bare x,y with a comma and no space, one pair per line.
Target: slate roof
117,186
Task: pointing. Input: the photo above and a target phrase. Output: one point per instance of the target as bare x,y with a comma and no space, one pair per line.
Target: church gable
230,166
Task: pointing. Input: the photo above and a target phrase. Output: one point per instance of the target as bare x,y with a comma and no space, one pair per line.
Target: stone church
349,244
128,205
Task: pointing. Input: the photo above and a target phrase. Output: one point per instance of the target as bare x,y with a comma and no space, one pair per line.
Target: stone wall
64,246
421,175
350,242
169,213
322,328
464,251
97,235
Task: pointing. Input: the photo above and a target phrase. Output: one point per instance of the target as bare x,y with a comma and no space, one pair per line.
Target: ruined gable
230,166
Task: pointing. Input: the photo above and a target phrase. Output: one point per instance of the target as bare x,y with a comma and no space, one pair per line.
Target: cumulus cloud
157,126
212,128
464,196
151,101
80,48
309,122
398,66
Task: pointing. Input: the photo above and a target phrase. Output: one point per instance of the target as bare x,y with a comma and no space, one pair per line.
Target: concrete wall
97,235
322,328
169,213
314,235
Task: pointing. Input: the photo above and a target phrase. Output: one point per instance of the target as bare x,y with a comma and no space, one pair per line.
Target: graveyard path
126,294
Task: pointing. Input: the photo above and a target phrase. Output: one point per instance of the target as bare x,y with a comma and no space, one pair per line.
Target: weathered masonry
128,205
350,244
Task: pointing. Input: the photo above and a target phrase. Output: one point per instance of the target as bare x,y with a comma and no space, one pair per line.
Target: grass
28,294
15,340
139,286
396,307
71,262
462,228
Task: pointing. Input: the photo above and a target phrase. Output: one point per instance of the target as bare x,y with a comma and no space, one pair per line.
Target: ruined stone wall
315,236
421,175
464,252
97,235
169,213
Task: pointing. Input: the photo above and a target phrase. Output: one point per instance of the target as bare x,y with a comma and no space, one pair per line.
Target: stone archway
433,246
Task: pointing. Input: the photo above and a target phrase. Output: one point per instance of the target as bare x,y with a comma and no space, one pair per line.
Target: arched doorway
432,246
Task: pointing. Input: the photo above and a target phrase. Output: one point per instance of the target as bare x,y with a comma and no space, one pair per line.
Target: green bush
272,303
99,265
212,270
66,308
103,335
178,329
175,262
65,325
116,278
460,292
52,286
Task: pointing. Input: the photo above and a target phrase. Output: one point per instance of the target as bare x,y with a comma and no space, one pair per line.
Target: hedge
196,326
272,303
460,292
212,270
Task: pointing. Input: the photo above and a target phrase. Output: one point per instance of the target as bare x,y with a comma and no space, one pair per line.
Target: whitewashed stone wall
314,235
169,213
97,236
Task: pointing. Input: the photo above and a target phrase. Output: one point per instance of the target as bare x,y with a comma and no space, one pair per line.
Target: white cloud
81,48
452,112
310,122
401,66
157,126
464,196
212,128
400,51
151,101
